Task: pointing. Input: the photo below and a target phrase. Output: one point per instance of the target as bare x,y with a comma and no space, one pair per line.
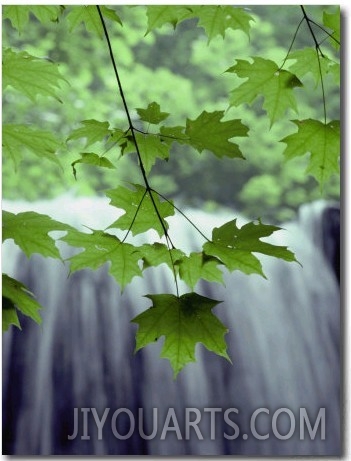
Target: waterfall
283,341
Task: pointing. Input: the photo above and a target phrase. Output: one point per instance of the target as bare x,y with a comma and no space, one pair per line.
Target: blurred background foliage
177,69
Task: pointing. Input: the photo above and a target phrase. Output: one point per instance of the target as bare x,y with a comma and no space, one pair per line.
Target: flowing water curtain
284,336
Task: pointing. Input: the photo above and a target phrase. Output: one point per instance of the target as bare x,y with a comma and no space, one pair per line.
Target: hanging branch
319,54
149,190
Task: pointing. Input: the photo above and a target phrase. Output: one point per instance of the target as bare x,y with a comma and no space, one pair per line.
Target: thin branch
311,30
292,43
322,86
160,135
325,31
142,168
135,215
319,55
183,214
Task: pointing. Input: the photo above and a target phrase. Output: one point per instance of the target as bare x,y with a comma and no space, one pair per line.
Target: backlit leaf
216,19
332,21
184,321
92,130
17,140
152,114
89,158
17,296
30,75
89,16
29,230
208,132
158,253
172,134
198,266
234,246
139,209
157,15
306,61
151,147
321,141
264,78
100,248
19,15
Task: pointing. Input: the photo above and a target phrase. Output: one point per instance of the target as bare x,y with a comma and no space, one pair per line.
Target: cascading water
283,340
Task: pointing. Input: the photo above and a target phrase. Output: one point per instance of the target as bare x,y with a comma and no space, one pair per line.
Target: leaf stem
183,214
292,43
325,31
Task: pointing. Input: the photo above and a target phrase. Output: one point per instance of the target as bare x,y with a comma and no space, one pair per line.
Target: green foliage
322,141
143,210
92,130
217,19
89,158
151,147
160,15
307,61
184,321
89,16
152,114
99,248
159,253
199,266
332,20
264,77
30,230
102,123
19,15
30,75
234,246
16,296
20,139
208,132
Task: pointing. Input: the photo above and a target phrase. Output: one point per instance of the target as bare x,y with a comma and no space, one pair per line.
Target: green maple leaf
93,130
157,16
321,141
89,158
151,147
332,21
184,321
198,266
89,16
139,209
234,246
170,134
216,19
29,230
158,253
152,114
19,15
16,295
19,139
208,132
265,78
30,75
307,62
100,248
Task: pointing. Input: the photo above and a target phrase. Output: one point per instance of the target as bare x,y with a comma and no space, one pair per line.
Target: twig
132,130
